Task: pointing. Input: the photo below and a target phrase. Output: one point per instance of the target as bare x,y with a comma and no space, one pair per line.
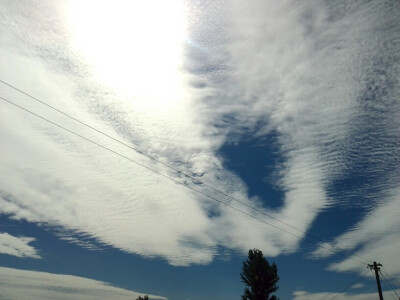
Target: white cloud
312,83
17,246
374,238
303,295
301,69
22,284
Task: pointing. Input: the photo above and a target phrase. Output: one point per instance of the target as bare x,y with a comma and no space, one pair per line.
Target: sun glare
134,46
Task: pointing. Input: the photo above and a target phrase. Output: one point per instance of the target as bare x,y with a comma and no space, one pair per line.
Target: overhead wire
350,285
158,161
332,248
146,167
388,275
389,281
172,179
385,285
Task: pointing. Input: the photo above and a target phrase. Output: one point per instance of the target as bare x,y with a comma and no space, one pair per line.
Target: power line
156,160
388,275
389,282
166,176
384,281
350,285
195,180
176,181
191,188
148,168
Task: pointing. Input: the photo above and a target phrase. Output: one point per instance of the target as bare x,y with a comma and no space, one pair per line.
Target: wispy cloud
23,284
357,286
17,246
373,238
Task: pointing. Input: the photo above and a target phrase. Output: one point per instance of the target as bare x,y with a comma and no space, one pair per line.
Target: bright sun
134,46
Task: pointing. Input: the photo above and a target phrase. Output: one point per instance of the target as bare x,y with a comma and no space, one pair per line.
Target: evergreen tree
260,277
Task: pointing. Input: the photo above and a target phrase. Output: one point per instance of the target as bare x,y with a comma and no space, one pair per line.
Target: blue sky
288,113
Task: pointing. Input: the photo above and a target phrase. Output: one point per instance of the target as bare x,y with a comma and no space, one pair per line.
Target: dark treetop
260,277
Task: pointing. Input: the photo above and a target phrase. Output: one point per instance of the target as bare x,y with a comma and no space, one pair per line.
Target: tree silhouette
143,298
260,277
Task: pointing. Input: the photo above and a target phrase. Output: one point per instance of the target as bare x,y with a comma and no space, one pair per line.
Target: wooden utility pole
376,266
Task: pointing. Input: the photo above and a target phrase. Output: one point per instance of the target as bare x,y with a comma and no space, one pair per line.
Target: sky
147,146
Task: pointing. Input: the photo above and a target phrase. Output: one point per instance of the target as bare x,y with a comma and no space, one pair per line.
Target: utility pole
376,266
